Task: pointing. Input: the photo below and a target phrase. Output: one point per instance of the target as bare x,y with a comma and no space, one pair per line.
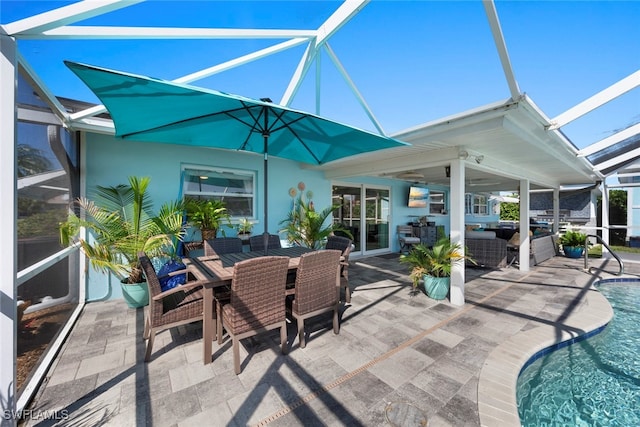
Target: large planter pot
136,295
436,287
573,251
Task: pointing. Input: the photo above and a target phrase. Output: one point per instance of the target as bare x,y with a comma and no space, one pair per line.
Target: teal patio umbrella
154,110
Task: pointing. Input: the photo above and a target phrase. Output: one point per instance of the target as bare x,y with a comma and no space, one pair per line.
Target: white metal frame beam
615,90
623,158
133,33
498,38
65,15
352,86
8,215
340,17
610,140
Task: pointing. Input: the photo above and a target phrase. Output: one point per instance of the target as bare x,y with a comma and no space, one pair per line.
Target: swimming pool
593,381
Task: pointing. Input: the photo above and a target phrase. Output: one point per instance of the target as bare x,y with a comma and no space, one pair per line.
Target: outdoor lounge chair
256,303
176,306
344,245
256,243
222,245
317,289
406,238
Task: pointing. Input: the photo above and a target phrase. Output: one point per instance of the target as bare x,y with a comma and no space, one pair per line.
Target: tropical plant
121,224
244,226
305,226
572,238
207,215
435,261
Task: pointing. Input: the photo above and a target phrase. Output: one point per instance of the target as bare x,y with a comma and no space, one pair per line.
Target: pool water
592,382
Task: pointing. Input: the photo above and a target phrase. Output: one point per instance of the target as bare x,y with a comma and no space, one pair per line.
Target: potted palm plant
244,227
207,215
120,223
573,243
307,227
433,265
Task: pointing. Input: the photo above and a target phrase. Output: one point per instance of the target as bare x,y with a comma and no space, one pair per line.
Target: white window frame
441,207
241,172
476,204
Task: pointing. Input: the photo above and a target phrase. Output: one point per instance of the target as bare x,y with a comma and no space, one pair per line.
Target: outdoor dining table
217,271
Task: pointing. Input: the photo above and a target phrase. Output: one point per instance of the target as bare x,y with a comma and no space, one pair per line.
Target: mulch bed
36,331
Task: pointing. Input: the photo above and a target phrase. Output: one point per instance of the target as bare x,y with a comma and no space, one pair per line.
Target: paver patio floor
398,360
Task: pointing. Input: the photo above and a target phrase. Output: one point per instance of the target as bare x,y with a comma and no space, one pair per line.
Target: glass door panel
377,210
348,198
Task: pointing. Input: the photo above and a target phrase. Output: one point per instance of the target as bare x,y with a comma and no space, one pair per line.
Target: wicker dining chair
344,245
256,243
222,245
317,288
176,306
256,303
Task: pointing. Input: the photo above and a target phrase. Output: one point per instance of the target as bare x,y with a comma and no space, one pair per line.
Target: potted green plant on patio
207,215
573,243
433,265
307,227
120,223
243,228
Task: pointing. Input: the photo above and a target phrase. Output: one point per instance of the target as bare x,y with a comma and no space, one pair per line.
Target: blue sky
412,61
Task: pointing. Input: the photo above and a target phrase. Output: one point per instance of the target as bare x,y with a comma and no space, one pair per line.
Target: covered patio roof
501,144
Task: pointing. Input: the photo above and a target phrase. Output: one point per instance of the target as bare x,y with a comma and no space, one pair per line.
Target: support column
456,210
556,210
592,225
8,245
525,241
605,213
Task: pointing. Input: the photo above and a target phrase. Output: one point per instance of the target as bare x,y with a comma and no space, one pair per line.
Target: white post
456,210
556,210
525,241
8,251
630,230
605,213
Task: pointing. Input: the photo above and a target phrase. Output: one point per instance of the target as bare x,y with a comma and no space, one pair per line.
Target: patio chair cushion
480,235
169,282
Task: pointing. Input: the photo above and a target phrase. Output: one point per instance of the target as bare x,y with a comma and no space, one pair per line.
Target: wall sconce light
447,171
463,155
479,159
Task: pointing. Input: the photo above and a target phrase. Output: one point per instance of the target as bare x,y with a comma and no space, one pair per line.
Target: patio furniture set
247,293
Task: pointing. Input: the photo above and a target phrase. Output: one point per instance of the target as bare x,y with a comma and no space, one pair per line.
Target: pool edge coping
497,404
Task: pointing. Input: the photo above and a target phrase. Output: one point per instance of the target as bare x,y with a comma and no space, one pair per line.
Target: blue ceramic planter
136,294
573,251
436,287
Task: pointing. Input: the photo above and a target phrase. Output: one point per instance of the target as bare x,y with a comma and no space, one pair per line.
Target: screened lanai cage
461,147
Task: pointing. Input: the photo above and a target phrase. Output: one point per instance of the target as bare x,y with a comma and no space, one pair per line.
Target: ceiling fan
410,175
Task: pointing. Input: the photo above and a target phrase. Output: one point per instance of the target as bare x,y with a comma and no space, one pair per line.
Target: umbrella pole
265,136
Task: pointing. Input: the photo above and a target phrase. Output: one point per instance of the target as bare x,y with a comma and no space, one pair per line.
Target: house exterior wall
110,161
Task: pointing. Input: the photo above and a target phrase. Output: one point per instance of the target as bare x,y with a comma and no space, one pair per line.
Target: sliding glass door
368,222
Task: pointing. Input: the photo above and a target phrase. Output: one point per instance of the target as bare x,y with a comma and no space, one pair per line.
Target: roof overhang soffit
550,141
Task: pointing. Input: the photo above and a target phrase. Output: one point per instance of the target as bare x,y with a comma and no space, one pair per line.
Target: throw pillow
169,282
515,239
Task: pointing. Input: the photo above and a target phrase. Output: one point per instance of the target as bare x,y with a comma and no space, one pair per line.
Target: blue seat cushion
169,282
